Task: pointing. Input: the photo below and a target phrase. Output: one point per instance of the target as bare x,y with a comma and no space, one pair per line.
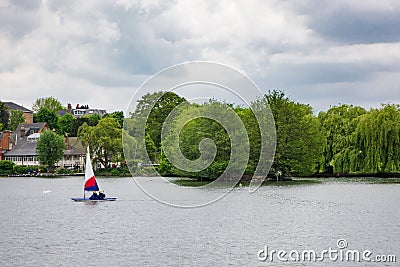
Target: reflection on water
48,229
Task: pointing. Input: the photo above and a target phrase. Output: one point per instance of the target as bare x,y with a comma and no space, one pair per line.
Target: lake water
48,229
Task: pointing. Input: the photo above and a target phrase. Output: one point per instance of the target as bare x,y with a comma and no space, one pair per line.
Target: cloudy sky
98,52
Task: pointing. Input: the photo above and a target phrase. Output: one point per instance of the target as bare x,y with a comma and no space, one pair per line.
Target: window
79,112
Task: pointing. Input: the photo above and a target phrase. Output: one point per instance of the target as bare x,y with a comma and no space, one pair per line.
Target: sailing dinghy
91,183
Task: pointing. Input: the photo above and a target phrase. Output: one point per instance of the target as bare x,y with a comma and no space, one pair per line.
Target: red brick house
6,143
28,114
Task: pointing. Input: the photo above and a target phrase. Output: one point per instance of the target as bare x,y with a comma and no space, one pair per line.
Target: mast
87,159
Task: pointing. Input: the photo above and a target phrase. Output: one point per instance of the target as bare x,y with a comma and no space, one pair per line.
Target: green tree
16,117
341,151
300,139
193,125
91,120
4,116
118,115
161,104
48,116
130,149
50,149
105,141
65,124
50,103
377,139
253,131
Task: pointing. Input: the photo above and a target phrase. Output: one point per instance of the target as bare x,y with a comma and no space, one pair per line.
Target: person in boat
94,196
102,195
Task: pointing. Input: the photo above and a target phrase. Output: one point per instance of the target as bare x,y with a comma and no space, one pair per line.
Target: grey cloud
17,21
319,73
26,4
349,24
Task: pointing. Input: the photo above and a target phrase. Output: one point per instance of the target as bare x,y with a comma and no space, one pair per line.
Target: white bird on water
46,191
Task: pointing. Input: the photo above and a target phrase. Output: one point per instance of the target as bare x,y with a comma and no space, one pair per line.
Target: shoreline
244,179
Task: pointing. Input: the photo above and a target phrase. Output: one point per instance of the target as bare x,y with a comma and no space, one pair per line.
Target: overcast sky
98,52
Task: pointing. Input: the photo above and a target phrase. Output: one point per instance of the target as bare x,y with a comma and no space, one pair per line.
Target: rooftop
13,106
31,128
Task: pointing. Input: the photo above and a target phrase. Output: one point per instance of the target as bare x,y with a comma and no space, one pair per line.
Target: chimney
77,106
22,131
66,142
6,140
69,107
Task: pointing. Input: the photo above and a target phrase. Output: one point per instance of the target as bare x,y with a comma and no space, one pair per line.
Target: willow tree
341,151
378,138
105,141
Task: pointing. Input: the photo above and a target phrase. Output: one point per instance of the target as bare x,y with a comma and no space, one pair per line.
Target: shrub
115,172
20,169
6,167
62,170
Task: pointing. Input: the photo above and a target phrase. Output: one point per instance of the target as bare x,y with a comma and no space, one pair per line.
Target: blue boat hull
81,199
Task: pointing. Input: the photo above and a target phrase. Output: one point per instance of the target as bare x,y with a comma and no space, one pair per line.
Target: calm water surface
48,229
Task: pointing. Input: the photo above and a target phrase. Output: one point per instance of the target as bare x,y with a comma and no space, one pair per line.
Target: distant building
81,111
22,150
6,142
28,114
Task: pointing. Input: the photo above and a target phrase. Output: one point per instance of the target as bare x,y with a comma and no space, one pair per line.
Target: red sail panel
91,184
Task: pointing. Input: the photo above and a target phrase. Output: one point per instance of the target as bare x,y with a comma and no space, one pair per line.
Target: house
28,114
81,111
24,143
25,139
6,142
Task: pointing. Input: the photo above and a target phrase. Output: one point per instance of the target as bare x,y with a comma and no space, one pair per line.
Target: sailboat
90,182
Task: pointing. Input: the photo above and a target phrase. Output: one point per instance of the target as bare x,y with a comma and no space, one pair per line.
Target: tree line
345,139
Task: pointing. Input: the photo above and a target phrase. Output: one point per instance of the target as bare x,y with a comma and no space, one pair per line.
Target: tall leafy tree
105,140
161,104
130,150
341,151
65,124
300,141
50,103
187,141
48,116
16,117
91,120
50,149
377,137
4,116
253,131
118,115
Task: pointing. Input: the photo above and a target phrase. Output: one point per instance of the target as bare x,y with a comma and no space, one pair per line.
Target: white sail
89,169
